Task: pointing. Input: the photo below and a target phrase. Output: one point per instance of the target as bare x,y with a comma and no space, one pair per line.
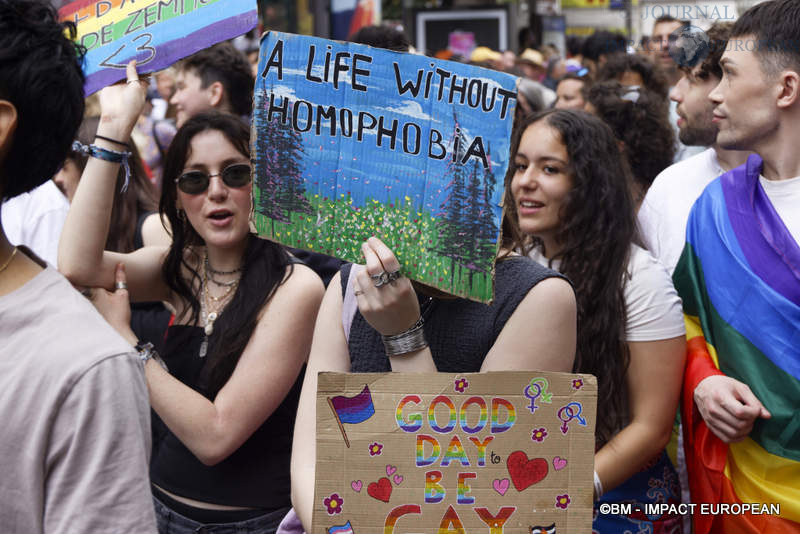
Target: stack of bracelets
411,340
94,151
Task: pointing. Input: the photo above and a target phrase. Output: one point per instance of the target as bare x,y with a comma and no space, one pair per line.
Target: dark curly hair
640,119
41,76
718,35
225,64
597,227
264,262
652,78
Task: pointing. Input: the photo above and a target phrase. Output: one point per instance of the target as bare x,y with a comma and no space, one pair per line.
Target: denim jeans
170,522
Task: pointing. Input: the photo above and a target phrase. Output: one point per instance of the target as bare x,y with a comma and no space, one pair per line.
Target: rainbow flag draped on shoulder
739,278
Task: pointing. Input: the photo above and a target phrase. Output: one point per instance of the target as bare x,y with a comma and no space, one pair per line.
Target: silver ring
394,275
133,81
381,279
121,285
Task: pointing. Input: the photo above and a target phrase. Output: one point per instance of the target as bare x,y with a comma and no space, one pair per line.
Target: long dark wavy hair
597,227
264,262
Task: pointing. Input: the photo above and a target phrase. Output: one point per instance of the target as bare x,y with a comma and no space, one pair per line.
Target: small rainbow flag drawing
352,410
344,529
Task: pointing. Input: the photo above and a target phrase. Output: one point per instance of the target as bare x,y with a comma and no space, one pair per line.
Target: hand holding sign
389,307
121,104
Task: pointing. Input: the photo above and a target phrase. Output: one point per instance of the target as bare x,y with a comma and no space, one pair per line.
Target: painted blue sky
339,165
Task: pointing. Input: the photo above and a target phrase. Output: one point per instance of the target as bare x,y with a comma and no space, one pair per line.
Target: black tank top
256,475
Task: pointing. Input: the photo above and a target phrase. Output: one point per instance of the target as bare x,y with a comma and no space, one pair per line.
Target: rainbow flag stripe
746,325
155,33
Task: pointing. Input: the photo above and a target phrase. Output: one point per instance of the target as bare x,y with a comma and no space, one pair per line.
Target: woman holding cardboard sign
244,314
374,319
568,187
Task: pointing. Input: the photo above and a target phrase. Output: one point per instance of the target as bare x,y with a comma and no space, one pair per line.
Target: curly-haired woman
568,187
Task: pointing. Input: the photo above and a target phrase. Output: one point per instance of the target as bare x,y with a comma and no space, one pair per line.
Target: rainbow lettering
451,424
455,451
482,420
414,421
422,460
511,418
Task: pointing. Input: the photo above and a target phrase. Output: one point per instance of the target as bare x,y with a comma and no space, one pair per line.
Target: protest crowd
161,359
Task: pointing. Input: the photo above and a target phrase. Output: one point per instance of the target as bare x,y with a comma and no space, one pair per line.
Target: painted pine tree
451,225
267,155
291,193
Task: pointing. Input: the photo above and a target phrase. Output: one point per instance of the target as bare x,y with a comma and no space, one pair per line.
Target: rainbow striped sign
154,32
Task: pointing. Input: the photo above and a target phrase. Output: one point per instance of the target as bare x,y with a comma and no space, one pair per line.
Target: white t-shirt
785,198
654,308
665,209
35,219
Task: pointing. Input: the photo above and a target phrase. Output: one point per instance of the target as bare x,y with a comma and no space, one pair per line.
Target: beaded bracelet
411,340
94,151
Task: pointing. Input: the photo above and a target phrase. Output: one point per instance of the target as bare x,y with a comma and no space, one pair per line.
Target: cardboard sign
353,141
156,33
435,453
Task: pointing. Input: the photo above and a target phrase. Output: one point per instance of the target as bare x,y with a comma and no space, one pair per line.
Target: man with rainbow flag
739,278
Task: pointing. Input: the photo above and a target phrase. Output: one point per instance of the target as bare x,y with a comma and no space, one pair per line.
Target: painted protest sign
498,452
353,141
156,33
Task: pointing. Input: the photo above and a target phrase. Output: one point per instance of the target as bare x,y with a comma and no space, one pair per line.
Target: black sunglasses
196,182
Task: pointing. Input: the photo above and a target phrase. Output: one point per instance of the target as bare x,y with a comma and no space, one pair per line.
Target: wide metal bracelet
411,340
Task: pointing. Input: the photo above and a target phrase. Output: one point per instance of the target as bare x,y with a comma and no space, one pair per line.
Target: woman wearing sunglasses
244,315
569,188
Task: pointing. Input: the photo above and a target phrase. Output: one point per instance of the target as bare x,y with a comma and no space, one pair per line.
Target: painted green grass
337,228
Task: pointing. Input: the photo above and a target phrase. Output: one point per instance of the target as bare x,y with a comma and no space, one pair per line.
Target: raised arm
328,353
81,257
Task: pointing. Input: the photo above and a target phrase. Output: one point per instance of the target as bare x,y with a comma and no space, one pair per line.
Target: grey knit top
460,332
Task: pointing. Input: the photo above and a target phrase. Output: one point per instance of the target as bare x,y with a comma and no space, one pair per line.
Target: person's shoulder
300,282
685,171
646,274
61,328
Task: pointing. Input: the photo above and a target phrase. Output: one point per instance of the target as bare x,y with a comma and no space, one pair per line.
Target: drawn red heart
525,473
381,490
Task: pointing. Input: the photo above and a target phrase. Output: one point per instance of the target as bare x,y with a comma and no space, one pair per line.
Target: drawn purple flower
334,504
562,501
461,385
577,383
538,434
375,449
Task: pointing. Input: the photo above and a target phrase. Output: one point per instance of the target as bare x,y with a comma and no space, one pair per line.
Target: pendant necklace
210,313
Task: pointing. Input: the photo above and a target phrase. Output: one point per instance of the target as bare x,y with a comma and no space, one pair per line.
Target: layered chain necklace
211,306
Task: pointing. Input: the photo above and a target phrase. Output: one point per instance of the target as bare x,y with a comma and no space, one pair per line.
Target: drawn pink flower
577,383
538,434
334,504
375,449
562,501
461,384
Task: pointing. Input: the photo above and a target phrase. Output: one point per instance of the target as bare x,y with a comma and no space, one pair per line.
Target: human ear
789,89
8,124
216,92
